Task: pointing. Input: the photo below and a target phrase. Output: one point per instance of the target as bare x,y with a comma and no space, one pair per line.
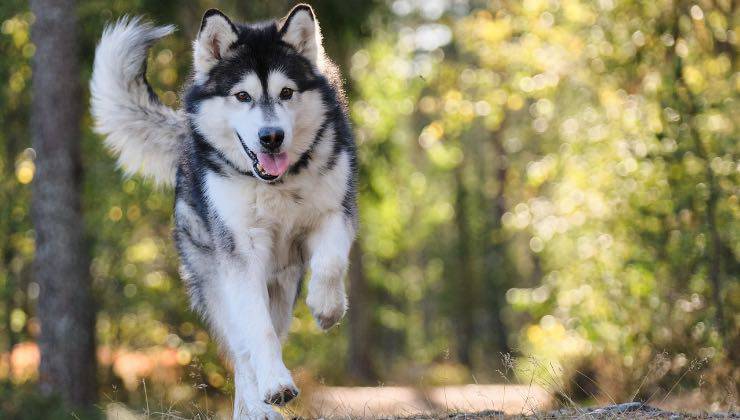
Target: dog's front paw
282,395
327,302
277,387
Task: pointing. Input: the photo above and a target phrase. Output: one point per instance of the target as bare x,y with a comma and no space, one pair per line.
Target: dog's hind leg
283,291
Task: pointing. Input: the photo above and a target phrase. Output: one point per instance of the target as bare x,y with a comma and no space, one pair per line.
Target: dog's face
255,96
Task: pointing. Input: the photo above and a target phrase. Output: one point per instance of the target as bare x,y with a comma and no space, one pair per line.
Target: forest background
548,192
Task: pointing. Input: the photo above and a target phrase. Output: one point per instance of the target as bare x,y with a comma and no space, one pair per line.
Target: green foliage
24,403
588,151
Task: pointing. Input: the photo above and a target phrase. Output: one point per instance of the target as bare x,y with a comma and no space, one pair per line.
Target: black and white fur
245,234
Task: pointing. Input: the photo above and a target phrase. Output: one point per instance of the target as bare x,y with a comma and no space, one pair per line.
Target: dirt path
406,401
465,402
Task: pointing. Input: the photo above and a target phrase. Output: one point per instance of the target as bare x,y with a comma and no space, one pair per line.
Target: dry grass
543,396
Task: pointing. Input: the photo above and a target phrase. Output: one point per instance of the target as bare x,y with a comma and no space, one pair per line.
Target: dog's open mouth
267,166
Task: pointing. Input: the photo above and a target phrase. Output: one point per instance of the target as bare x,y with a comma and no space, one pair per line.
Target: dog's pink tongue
274,165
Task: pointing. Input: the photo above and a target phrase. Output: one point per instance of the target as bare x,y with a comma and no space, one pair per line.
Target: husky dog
263,163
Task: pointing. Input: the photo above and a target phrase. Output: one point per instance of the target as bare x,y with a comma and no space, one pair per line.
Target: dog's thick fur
263,162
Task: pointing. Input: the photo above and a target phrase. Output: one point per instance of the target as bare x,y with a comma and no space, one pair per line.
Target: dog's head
256,94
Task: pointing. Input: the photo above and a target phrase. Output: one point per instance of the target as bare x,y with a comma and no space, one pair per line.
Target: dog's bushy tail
145,134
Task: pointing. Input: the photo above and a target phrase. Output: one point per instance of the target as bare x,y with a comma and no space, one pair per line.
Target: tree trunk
496,269
65,308
465,301
687,103
360,321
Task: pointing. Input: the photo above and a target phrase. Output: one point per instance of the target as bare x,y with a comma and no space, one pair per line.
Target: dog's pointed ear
216,35
300,29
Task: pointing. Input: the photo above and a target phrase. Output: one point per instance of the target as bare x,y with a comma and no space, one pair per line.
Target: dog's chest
287,213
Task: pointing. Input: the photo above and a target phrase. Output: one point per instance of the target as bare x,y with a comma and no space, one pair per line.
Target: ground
450,402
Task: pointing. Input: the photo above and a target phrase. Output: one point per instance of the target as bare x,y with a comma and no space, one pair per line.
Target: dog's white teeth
261,169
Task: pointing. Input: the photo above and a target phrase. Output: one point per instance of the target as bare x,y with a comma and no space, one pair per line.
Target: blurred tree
65,310
360,320
586,156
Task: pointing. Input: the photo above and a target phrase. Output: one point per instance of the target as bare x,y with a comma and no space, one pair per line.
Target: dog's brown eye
243,96
286,94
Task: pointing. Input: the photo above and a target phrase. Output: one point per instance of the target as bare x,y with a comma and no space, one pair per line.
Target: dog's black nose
271,137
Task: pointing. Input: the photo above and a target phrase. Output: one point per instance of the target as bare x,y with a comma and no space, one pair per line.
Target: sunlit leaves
605,185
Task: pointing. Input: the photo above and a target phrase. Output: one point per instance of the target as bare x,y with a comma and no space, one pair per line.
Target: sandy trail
406,401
